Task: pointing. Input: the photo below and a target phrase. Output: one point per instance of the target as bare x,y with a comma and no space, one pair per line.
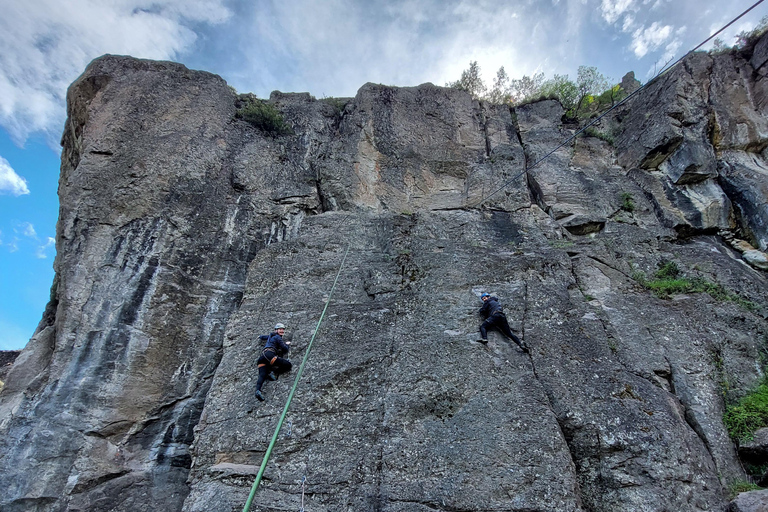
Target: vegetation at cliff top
750,414
590,93
744,39
262,115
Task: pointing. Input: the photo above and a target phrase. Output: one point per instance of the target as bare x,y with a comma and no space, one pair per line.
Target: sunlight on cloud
648,39
613,9
28,229
10,182
42,250
395,43
45,45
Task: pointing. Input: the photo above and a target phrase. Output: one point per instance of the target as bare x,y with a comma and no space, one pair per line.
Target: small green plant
750,414
755,470
604,136
338,104
667,270
627,202
560,244
262,115
742,486
669,280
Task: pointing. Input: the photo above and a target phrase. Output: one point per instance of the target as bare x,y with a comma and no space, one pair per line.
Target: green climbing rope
293,390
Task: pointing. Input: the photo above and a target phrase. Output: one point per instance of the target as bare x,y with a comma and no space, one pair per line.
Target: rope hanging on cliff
256,482
663,71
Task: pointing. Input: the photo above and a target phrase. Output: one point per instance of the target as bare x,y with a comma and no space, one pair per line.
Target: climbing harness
256,482
661,72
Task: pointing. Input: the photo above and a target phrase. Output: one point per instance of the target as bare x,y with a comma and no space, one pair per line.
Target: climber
271,361
495,317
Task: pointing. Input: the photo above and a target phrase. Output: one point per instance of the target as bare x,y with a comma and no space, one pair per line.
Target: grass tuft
263,116
750,414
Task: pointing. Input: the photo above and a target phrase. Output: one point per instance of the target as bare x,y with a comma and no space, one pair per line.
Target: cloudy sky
327,48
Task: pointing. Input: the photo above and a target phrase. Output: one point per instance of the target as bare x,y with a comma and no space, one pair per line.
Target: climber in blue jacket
494,316
271,362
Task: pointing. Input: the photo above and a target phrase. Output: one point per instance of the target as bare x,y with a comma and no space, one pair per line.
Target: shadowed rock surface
185,233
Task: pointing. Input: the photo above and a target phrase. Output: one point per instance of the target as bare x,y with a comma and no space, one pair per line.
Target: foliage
500,91
742,486
627,202
470,81
589,94
594,132
749,414
669,280
562,88
262,115
560,244
589,83
526,88
744,39
338,104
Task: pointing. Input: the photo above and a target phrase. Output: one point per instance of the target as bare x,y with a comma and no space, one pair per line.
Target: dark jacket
275,343
491,307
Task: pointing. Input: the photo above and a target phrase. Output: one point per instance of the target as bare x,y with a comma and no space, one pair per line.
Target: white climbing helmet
279,326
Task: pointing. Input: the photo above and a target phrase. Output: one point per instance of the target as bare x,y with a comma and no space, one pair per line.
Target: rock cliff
184,233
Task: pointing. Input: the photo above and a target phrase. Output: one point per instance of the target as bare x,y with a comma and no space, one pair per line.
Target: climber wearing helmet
271,362
495,318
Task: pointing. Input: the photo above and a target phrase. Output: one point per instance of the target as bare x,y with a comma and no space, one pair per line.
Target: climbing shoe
524,347
272,376
259,396
483,341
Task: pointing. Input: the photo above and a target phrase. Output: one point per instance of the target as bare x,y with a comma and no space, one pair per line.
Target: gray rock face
754,501
185,233
629,83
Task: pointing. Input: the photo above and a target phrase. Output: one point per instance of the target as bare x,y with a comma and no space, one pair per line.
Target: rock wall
184,233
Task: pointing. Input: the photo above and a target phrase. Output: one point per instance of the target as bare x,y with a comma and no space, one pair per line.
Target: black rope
664,70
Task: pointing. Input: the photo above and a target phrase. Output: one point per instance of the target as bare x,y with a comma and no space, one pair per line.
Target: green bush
749,414
667,270
669,280
263,116
594,132
739,487
627,202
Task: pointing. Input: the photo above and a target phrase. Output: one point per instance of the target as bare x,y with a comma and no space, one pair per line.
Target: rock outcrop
184,233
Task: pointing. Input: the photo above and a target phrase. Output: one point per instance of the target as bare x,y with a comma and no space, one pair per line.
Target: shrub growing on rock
263,116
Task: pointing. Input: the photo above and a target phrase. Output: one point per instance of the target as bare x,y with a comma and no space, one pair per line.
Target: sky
326,48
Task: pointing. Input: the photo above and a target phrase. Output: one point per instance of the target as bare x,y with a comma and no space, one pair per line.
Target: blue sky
327,48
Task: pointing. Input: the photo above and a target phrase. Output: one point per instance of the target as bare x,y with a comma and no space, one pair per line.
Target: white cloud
42,250
46,44
10,182
670,51
28,229
648,39
629,23
613,9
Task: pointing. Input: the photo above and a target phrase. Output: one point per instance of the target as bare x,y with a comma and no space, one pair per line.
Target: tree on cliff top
579,98
470,81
